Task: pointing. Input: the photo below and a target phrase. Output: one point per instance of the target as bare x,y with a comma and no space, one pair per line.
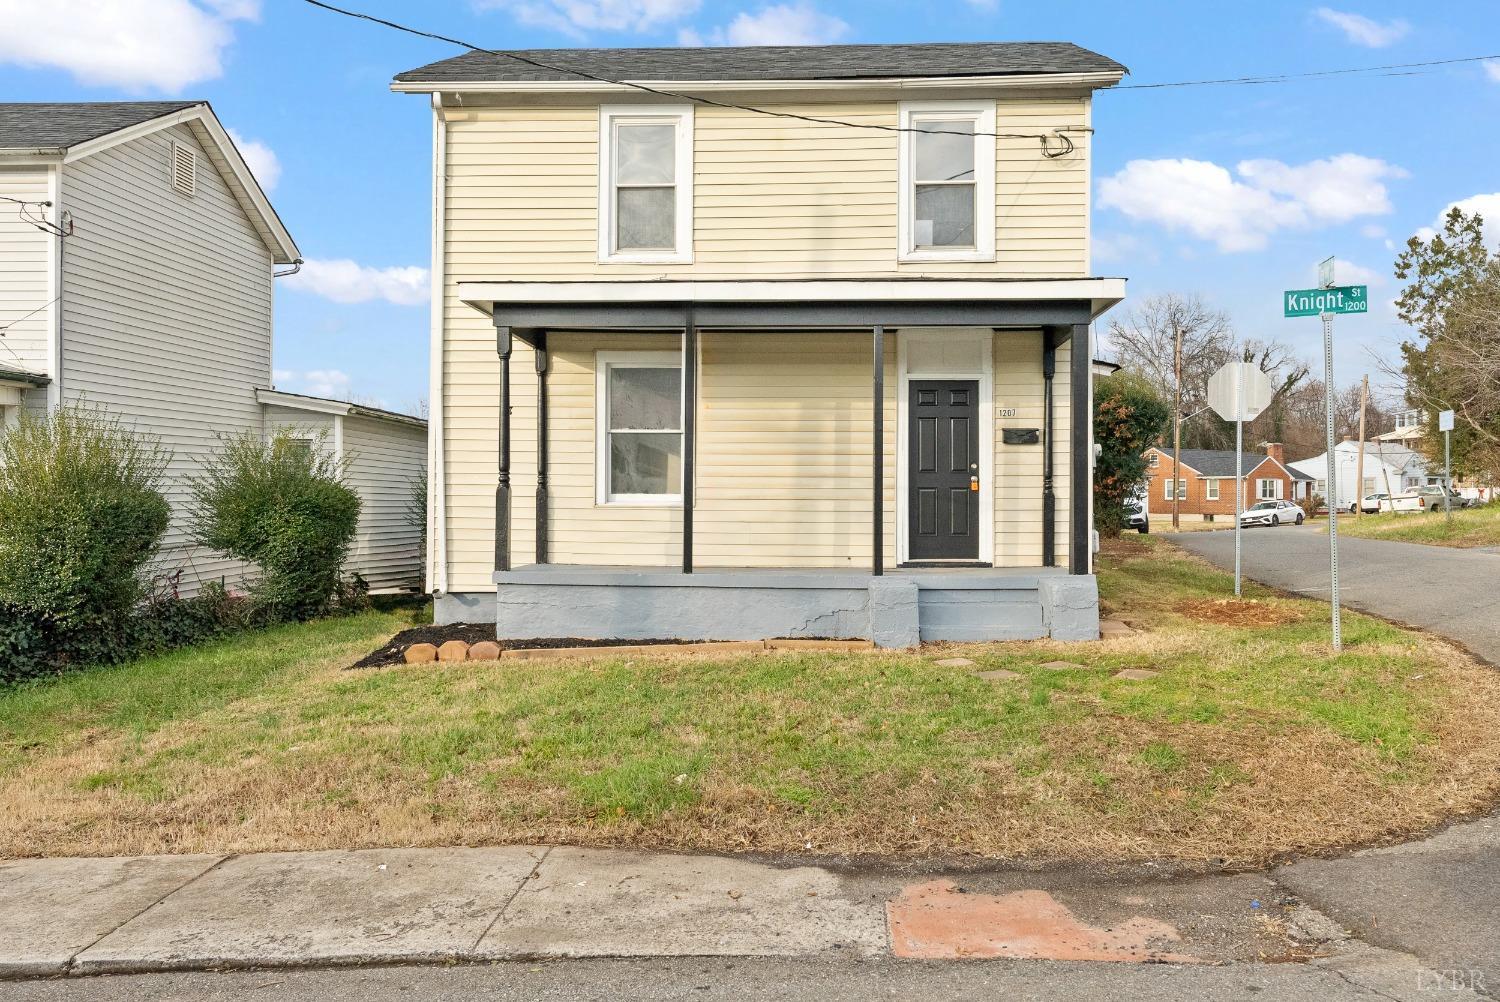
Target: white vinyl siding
167,314
26,312
383,461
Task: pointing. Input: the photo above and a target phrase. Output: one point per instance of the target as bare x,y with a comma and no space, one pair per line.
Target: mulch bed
1236,612
392,651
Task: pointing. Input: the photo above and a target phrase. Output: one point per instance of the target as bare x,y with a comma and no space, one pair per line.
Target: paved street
751,980
1448,591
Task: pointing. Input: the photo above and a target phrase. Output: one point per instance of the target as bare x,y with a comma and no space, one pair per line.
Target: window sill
673,501
664,257
930,256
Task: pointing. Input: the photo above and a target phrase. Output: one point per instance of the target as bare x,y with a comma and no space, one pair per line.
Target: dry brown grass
1251,743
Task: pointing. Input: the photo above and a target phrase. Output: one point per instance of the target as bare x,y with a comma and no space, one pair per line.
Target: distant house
1390,468
136,268
1205,483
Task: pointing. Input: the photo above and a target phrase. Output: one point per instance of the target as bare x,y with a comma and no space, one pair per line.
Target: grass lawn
1471,527
1251,741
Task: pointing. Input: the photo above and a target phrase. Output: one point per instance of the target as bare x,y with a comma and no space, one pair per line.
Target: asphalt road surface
749,980
1454,593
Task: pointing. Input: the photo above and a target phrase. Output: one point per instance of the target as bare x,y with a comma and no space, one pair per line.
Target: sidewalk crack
530,875
73,960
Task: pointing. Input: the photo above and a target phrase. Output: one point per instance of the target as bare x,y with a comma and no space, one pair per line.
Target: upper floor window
646,184
947,178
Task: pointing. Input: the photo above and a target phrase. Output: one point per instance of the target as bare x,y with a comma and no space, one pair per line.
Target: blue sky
1231,192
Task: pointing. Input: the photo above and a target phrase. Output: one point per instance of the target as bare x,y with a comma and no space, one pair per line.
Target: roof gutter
1103,78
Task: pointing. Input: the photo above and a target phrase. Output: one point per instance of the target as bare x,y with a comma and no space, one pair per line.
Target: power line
1287,77
1059,135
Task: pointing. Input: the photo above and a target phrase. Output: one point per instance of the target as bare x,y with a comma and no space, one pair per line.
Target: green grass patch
1469,528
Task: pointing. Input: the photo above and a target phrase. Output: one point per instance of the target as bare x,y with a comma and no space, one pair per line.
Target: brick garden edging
457,650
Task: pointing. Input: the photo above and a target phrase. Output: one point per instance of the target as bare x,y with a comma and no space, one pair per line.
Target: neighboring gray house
384,457
137,254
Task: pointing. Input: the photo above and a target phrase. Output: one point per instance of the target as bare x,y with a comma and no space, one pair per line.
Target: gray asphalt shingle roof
775,62
1220,462
61,125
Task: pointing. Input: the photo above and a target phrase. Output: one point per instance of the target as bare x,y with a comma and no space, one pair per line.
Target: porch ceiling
851,304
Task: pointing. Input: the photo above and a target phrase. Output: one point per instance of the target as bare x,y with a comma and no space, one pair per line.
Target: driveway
1448,591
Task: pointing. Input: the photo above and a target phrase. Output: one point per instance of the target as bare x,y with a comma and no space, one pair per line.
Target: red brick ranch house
1206,482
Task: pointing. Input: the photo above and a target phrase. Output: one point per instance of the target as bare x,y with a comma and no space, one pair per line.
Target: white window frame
1153,460
1276,489
982,114
1211,489
603,362
1181,489
681,115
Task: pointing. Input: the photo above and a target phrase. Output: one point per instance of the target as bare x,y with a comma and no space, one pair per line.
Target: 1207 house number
1001,412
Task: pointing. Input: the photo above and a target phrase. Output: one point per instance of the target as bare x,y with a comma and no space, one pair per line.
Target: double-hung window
1268,489
646,184
947,178
1181,489
639,416
1211,489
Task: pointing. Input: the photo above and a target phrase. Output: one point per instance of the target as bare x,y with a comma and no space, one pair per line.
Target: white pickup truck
1422,499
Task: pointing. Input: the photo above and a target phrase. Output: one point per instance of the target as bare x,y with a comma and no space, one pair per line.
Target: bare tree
1145,338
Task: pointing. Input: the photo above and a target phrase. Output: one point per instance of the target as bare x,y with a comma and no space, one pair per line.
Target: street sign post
1324,303
1238,392
1316,302
1445,425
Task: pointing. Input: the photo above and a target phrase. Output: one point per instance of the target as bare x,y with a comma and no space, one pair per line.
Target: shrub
1311,504
167,621
80,515
285,508
1129,417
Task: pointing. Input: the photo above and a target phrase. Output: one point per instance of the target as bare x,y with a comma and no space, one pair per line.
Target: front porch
891,461
900,608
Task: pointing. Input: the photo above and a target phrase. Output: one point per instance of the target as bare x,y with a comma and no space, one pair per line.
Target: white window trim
1276,490
603,361
985,375
983,115
1211,489
1181,488
609,115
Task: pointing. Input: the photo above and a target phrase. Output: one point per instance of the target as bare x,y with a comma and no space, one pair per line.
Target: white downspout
437,508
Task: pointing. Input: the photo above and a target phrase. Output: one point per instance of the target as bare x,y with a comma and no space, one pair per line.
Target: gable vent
184,169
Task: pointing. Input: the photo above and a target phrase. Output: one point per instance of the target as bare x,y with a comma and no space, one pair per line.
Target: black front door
943,482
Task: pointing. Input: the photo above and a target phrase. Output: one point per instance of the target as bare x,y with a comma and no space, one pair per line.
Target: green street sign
1311,302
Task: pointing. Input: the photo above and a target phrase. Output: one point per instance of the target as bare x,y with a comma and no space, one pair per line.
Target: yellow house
740,343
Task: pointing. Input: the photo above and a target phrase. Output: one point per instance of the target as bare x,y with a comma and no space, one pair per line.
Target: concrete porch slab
594,903
68,904
362,906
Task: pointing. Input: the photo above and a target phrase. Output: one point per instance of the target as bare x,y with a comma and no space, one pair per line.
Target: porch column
539,348
689,432
877,420
503,344
1081,421
1049,495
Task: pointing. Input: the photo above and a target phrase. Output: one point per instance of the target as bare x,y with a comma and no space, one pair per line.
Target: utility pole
1359,467
1176,424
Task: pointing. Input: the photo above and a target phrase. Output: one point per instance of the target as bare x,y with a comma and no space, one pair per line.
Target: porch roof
855,304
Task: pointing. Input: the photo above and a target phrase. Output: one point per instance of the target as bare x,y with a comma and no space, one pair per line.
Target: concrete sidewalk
338,909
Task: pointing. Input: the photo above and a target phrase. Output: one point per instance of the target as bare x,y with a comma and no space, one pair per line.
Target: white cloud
1337,189
987,6
1361,30
264,163
1241,210
1492,69
314,382
780,24
137,45
1106,247
1487,206
1372,231
345,281
577,17
1348,273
